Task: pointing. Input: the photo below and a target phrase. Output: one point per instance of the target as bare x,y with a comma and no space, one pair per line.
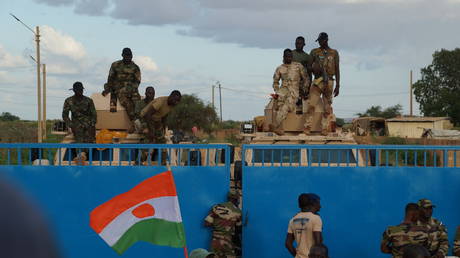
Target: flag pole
185,251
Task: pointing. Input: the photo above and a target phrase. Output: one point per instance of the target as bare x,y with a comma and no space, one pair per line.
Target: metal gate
363,190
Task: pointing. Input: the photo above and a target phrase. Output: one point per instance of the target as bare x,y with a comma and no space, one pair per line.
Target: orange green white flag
148,212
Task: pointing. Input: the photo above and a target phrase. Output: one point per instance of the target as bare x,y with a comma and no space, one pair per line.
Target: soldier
123,82
294,79
328,61
140,123
224,218
84,117
396,238
305,227
299,56
415,251
320,94
155,114
457,242
438,243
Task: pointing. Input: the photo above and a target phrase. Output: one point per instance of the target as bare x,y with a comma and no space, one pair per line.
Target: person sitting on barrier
305,227
438,244
415,251
224,218
319,251
395,238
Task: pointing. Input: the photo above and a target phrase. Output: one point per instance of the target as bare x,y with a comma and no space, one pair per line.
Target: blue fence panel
67,195
358,203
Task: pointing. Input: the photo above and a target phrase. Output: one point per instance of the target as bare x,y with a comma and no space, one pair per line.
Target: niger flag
149,212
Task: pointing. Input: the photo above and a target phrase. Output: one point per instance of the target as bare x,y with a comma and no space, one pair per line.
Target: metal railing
331,155
57,154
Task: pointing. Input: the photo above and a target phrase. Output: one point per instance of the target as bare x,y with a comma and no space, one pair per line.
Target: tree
376,111
438,91
7,116
191,111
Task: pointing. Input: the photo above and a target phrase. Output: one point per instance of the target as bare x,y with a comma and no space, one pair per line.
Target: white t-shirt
302,225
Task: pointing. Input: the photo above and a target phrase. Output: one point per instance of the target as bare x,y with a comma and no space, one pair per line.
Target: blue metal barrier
359,199
207,155
68,191
333,155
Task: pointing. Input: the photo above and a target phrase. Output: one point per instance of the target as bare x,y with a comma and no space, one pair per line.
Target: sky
191,45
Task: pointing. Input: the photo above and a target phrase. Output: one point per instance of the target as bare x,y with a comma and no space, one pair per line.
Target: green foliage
7,116
411,157
230,124
438,91
376,111
190,112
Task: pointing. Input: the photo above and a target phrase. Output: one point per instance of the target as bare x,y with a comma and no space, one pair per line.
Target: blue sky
191,44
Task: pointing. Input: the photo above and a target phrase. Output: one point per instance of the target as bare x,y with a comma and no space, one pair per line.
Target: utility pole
212,96
39,102
44,102
220,100
410,94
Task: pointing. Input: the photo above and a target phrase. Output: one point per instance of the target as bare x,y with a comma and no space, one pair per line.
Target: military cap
126,51
77,85
233,193
322,35
200,253
425,203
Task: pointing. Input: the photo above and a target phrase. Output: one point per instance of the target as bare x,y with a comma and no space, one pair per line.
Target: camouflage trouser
222,246
320,95
84,134
286,103
156,132
128,97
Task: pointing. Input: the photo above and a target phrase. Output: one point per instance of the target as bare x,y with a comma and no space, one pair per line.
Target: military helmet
425,203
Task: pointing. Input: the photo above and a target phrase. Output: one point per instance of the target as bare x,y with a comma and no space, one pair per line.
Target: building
413,127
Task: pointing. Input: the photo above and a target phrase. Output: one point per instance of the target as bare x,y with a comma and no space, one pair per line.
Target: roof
417,119
441,134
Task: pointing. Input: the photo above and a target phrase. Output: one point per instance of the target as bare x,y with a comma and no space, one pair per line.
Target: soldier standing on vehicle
294,79
123,82
155,114
396,238
300,56
224,218
439,242
328,61
84,117
457,242
305,227
140,123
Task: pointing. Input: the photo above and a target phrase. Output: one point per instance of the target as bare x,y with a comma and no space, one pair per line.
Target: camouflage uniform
457,242
438,240
397,237
224,218
123,81
321,92
83,118
291,75
138,106
156,123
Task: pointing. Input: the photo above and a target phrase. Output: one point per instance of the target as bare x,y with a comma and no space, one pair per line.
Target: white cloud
8,60
58,43
145,63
